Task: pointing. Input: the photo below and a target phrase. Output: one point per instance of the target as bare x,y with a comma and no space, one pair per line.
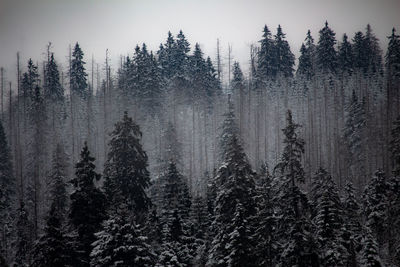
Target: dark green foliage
88,204
126,173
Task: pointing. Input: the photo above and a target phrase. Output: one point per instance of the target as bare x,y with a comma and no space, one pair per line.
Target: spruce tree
369,253
373,52
325,52
88,204
293,224
121,243
51,250
360,52
393,55
53,88
125,172
345,56
78,75
232,245
30,80
284,58
266,65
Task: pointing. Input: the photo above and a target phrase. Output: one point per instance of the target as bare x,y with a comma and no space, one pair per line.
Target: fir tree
360,52
121,243
78,74
53,88
373,52
228,129
88,204
284,58
369,254
30,80
232,245
126,171
266,65
345,56
325,52
51,250
393,55
306,66
293,223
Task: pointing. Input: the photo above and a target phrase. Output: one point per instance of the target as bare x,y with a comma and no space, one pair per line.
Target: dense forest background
278,167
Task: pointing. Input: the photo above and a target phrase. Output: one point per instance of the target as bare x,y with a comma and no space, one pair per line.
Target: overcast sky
28,25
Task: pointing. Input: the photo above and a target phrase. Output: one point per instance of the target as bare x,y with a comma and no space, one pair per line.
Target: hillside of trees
163,162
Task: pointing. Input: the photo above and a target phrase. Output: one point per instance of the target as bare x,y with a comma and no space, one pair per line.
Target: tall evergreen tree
78,75
88,203
369,253
395,147
30,80
232,245
126,167
345,56
24,237
325,52
266,65
53,88
393,55
284,58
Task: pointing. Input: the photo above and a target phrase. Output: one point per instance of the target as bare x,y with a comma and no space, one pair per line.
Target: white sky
28,25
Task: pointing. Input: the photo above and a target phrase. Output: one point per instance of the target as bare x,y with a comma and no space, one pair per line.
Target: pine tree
53,88
232,245
126,171
345,56
51,250
373,52
87,210
57,181
284,57
293,223
360,52
228,129
369,254
328,222
325,52
181,56
393,55
375,199
306,66
78,74
30,80
121,243
266,65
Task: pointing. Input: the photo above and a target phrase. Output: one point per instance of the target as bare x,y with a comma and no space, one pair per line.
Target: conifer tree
284,57
53,88
395,147
393,55
78,73
24,237
373,52
51,249
359,52
306,66
126,171
30,80
232,245
266,65
88,203
369,253
292,204
121,243
345,56
325,52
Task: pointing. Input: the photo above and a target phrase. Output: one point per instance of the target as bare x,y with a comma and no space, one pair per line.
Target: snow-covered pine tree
369,253
121,243
328,222
235,199
352,223
266,224
52,87
393,55
125,172
51,250
88,205
375,206
293,220
326,55
306,66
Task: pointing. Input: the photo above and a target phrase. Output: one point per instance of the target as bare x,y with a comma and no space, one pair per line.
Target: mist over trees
159,161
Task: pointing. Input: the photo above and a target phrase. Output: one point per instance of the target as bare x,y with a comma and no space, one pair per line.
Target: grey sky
28,25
